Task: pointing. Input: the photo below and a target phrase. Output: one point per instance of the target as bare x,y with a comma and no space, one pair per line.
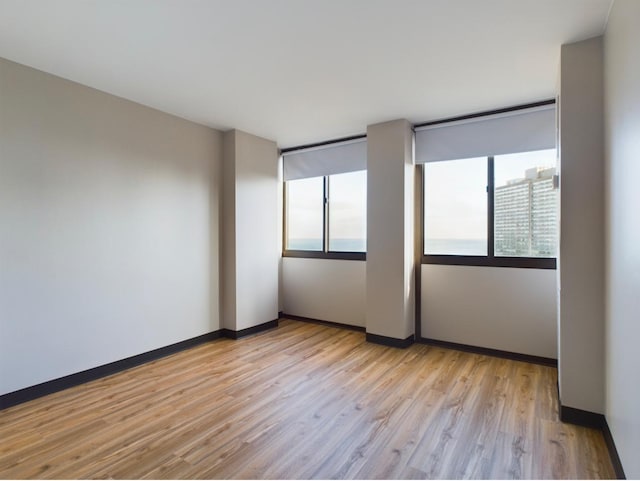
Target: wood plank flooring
305,401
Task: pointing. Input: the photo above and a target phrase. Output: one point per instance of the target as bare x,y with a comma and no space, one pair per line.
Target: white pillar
581,260
390,261
249,232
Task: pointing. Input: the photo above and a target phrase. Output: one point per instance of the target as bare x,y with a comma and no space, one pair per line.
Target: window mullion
285,217
325,215
490,207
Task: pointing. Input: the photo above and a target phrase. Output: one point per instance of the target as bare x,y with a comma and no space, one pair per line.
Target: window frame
490,260
325,253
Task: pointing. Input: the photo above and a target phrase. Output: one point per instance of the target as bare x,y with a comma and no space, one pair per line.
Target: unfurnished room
319,239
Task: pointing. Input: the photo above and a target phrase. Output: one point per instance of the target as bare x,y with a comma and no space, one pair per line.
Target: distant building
526,215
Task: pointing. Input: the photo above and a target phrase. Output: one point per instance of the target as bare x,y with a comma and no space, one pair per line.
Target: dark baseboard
581,418
59,384
515,356
250,330
55,385
613,451
390,341
596,421
321,322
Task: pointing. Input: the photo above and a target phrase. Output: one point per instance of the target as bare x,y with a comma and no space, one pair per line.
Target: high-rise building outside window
525,205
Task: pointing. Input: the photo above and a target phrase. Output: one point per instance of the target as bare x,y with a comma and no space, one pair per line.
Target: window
327,216
348,212
525,204
305,217
490,187
498,210
455,206
325,188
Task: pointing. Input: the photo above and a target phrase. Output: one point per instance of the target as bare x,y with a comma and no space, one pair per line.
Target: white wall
108,228
390,276
622,124
251,239
581,258
228,311
499,308
325,289
280,237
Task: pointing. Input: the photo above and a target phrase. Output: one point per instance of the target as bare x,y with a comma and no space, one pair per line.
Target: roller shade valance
505,133
338,158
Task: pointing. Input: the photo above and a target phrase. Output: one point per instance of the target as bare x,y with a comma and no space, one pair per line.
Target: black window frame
490,260
325,253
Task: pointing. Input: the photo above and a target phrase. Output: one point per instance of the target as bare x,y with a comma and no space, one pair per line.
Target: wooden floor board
305,401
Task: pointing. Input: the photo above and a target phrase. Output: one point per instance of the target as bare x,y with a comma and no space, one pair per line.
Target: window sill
347,256
517,262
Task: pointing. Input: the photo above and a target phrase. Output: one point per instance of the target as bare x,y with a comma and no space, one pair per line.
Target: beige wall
108,228
498,308
622,127
581,263
325,289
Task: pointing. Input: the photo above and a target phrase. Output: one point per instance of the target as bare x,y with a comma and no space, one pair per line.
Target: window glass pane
348,212
455,206
305,205
526,204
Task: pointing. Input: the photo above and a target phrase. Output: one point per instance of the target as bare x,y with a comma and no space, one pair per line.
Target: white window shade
507,133
349,156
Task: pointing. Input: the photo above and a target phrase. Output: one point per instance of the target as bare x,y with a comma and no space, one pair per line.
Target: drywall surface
257,233
251,244
280,237
325,289
390,280
228,233
108,228
581,257
495,307
622,127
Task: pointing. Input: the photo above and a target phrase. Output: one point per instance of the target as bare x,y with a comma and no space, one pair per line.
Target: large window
327,216
498,210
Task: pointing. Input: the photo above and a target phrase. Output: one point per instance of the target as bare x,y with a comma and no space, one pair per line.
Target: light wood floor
305,401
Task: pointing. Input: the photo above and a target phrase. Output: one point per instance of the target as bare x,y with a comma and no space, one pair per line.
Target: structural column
581,258
249,232
390,261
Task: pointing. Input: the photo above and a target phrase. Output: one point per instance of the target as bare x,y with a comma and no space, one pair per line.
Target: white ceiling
300,71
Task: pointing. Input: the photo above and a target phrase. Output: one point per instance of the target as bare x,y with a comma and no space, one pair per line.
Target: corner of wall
227,233
622,150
